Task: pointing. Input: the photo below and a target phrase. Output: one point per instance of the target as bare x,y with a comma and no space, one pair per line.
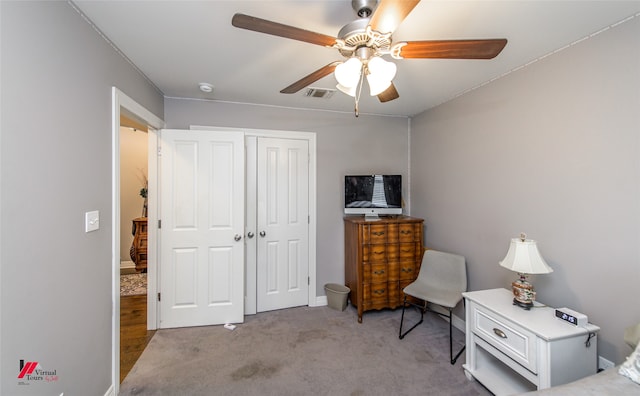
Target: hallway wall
133,175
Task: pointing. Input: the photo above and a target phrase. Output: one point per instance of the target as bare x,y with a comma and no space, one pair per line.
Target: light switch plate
91,221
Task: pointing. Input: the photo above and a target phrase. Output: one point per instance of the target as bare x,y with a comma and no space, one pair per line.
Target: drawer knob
499,333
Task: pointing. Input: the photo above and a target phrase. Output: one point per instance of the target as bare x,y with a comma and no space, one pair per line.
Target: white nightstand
511,350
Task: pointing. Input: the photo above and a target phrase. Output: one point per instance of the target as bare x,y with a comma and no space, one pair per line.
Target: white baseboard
458,323
110,391
604,364
127,265
320,301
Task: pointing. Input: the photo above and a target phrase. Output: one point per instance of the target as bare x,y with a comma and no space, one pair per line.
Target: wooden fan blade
277,29
390,13
311,78
453,49
389,94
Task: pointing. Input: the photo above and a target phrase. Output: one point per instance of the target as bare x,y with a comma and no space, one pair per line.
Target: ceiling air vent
322,93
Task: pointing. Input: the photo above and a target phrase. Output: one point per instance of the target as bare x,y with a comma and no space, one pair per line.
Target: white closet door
202,214
282,223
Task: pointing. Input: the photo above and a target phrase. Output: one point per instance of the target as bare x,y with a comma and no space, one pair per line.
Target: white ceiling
178,44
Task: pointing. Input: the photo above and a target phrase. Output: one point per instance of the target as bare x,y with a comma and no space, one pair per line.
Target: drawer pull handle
405,232
499,333
379,291
380,233
379,272
382,252
407,270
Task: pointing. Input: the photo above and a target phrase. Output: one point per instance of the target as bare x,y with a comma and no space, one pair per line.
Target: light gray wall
552,150
55,285
345,145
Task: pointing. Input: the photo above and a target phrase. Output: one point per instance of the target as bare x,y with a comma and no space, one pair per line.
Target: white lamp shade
348,73
380,73
351,91
523,257
377,86
381,69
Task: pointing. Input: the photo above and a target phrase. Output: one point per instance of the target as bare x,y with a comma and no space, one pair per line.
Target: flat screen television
373,195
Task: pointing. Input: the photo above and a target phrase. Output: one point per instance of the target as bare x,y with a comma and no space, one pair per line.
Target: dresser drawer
142,242
409,232
374,253
374,273
514,341
408,270
374,233
375,292
408,251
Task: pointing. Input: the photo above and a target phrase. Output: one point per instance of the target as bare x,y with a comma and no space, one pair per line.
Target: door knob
237,237
250,235
262,234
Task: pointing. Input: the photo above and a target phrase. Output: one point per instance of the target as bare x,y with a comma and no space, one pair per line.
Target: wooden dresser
381,258
139,246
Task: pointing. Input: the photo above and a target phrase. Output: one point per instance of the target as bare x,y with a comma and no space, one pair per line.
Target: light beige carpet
303,351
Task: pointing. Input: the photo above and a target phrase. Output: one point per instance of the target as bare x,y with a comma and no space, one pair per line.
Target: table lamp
524,258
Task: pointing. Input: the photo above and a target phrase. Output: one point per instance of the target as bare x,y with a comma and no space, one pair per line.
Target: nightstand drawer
512,340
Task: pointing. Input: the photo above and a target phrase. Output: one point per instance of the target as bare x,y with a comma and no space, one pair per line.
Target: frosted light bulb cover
348,73
351,91
381,69
377,86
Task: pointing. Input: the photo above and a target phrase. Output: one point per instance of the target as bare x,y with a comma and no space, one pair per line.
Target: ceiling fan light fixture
379,75
348,73
381,68
364,41
351,91
377,86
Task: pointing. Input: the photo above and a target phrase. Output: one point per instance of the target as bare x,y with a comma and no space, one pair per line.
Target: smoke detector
206,87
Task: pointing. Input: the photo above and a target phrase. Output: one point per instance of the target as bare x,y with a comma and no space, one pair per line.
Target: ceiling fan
364,41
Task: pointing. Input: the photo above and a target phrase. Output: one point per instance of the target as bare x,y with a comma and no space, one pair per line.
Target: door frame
119,100
250,269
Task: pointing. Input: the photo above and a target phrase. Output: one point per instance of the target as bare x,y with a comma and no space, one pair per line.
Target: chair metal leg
401,335
404,305
453,359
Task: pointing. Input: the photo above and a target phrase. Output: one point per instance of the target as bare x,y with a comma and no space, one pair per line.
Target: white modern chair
442,280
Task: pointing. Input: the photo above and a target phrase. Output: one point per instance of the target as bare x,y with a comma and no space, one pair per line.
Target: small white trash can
336,296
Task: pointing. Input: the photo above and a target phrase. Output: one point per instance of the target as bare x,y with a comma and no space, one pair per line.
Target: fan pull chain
357,110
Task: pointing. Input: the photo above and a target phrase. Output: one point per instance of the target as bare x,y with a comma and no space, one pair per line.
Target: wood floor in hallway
134,335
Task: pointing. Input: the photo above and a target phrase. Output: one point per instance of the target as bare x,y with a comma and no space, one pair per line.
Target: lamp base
523,305
523,293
